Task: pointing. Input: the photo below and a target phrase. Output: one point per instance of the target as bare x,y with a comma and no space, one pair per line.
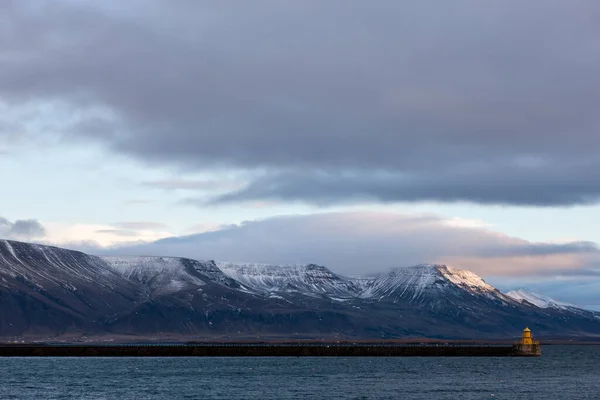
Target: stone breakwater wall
261,350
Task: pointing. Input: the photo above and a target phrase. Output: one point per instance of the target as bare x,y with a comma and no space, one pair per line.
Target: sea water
563,372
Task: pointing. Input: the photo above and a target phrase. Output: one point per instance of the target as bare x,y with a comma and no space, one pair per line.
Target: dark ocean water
563,372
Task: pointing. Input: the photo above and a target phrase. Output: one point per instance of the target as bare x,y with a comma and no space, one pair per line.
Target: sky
357,135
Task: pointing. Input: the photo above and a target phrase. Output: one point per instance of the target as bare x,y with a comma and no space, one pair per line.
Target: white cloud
102,235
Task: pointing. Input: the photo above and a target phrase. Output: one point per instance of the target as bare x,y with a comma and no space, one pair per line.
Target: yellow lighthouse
526,338
527,346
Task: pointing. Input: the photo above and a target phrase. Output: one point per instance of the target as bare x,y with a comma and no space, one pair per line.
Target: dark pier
265,350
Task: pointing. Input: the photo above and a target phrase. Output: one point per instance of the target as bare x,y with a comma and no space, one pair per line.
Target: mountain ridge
47,290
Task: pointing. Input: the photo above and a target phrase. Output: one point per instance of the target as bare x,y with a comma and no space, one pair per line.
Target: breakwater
263,350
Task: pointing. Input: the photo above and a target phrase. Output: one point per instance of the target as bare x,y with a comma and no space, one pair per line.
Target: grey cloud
9,136
485,184
489,102
584,273
578,290
192,184
21,229
542,249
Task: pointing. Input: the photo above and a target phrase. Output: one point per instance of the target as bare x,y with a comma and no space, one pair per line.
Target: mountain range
49,292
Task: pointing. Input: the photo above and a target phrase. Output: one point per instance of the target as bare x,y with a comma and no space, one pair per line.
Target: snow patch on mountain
308,279
362,283
538,300
163,275
411,282
160,275
147,267
466,279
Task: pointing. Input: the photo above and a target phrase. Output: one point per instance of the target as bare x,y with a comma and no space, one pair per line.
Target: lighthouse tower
526,339
527,346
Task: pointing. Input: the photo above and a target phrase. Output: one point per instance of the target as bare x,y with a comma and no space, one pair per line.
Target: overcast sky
359,135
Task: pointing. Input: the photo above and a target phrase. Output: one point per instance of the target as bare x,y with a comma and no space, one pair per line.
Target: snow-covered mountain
45,267
426,282
44,288
163,275
417,284
51,291
538,300
309,280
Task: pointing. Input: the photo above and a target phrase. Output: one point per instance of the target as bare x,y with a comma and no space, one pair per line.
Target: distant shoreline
172,341
252,349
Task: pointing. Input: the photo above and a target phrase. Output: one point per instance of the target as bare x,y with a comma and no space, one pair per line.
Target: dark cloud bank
324,102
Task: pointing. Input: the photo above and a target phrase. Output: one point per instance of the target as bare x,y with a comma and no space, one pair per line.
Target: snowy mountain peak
429,283
465,279
538,300
308,279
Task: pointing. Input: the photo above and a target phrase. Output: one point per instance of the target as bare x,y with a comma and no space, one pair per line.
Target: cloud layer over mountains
369,242
324,102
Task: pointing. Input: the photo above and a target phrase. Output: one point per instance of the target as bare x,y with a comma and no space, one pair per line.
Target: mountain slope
309,280
432,286
164,275
538,300
48,288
